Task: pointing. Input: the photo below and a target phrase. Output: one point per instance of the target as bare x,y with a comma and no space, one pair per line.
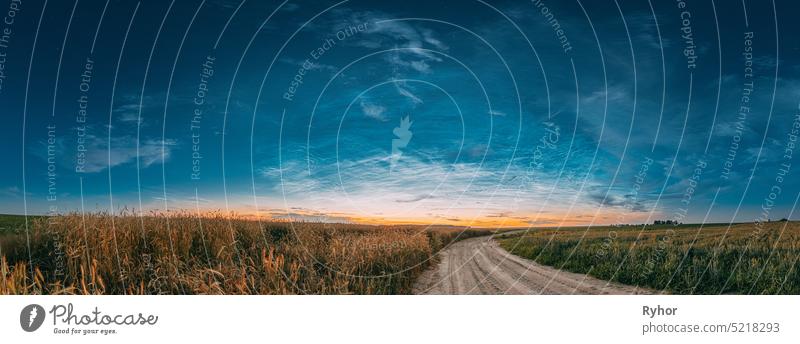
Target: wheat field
184,254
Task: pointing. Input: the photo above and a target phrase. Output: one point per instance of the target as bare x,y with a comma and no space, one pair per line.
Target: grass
181,254
13,224
745,259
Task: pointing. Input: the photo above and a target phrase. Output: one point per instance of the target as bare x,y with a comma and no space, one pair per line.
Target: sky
495,113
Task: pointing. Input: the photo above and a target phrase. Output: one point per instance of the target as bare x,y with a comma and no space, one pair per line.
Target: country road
481,266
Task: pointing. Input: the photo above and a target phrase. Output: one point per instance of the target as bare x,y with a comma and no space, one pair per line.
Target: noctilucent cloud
482,113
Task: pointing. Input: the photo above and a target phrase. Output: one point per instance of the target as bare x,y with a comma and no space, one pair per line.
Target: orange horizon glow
552,220
586,217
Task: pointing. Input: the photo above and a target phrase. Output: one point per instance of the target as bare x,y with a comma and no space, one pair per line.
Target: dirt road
480,266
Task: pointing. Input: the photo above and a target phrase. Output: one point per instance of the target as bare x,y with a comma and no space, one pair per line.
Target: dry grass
745,259
180,254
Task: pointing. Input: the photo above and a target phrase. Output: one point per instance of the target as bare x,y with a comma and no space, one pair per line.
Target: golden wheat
182,254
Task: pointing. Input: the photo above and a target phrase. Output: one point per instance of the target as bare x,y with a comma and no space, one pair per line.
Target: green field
685,259
13,224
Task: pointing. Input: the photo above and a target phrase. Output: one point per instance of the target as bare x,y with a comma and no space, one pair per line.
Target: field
182,254
13,224
687,259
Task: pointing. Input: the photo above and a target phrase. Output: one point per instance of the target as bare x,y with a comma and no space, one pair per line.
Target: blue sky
519,112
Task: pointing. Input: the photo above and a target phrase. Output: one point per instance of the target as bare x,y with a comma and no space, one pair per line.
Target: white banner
399,319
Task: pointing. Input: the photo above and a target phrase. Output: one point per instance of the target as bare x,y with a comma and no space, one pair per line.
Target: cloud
643,29
96,156
542,222
770,153
430,38
12,191
373,111
479,151
314,65
290,7
229,4
420,66
627,202
415,188
124,150
411,41
130,117
129,107
765,63
403,90
396,58
615,93
415,199
729,129
500,214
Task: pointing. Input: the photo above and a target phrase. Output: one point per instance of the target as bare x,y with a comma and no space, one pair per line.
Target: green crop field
685,259
13,224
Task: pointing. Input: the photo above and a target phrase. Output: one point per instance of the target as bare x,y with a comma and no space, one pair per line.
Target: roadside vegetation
686,259
183,254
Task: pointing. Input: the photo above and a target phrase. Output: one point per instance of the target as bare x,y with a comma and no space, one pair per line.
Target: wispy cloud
373,111
128,108
11,191
94,152
412,42
311,65
404,90
418,188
